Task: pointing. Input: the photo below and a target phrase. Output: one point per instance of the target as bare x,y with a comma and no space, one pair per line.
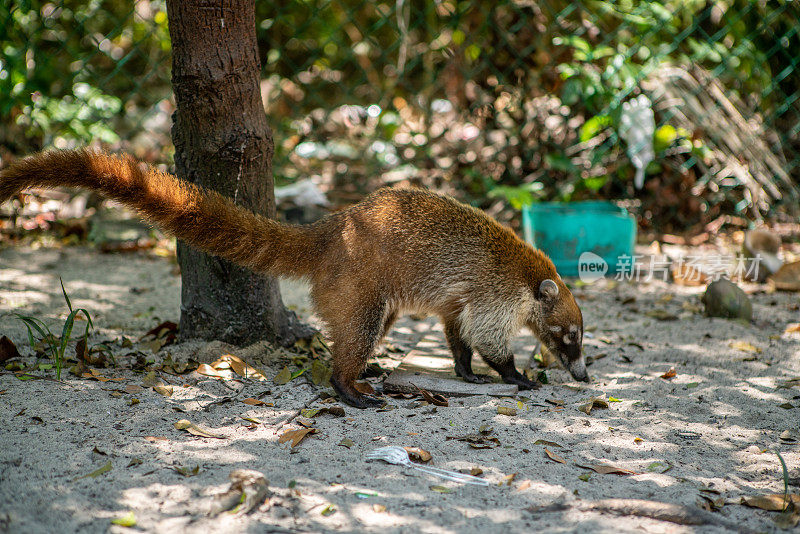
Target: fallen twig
37,377
660,511
297,412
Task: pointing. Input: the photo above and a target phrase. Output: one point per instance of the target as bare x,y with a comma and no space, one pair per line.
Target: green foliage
518,196
479,95
57,346
83,116
67,67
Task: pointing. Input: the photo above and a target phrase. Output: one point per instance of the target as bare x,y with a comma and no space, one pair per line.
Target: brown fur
396,251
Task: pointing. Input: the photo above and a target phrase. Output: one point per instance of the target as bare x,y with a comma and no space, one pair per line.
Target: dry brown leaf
364,387
320,373
709,503
186,471
195,430
296,436
776,502
336,411
789,383
153,439
787,278
304,421
94,375
661,315
433,398
595,402
7,349
507,480
248,489
164,390
525,484
238,366
547,443
378,508
553,456
788,519
207,370
162,330
178,368
283,377
417,454
505,410
133,388
604,469
744,346
97,472
791,328
478,441
255,402
672,373
688,275
150,380
80,349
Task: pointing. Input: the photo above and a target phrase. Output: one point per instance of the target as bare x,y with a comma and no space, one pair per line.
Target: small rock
725,299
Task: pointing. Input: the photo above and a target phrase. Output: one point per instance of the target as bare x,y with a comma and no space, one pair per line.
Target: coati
397,250
760,250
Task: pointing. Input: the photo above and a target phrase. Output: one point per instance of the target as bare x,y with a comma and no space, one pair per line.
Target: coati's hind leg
462,354
391,317
355,336
502,360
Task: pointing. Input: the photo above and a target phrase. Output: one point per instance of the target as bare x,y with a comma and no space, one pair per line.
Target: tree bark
222,142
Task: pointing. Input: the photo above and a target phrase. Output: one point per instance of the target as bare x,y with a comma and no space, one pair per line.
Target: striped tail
204,219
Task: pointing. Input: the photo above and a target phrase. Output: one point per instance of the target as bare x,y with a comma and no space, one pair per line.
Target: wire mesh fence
517,99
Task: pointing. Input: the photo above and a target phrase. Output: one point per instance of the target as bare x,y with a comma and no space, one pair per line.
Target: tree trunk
222,142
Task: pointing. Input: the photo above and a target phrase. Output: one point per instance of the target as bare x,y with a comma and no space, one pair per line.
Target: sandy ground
711,428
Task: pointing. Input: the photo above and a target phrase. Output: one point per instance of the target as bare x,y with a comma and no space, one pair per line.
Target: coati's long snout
396,251
559,326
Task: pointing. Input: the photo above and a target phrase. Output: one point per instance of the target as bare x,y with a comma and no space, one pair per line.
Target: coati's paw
522,382
350,395
363,401
476,379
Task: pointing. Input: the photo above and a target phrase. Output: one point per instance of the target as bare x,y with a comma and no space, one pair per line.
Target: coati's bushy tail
204,219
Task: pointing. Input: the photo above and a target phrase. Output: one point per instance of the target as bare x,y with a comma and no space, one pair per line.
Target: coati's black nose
578,371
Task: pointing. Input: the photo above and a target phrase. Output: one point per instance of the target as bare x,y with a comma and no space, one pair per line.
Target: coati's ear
548,290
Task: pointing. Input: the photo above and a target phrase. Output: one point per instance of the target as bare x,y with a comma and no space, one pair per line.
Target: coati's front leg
502,361
462,354
354,339
349,360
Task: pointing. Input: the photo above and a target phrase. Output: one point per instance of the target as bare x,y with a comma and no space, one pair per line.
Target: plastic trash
637,126
304,193
394,454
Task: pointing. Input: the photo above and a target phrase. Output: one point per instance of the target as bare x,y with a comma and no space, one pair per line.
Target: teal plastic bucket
565,230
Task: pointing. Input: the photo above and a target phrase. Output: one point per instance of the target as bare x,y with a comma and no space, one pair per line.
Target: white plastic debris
637,126
394,454
304,193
